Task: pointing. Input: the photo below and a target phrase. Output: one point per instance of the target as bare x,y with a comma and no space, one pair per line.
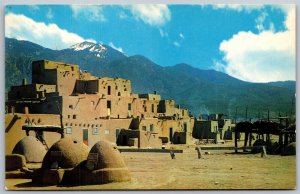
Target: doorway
85,136
171,134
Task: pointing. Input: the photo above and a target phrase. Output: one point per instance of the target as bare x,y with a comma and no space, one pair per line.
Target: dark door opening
171,134
108,90
178,139
185,127
85,136
124,140
108,105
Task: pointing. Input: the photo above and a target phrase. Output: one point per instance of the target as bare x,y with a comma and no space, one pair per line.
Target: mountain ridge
192,88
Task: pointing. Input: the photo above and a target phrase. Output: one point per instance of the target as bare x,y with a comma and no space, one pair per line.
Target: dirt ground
218,170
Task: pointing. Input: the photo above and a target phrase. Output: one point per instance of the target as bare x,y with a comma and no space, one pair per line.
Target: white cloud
49,36
263,57
260,21
152,14
90,12
115,47
181,35
176,44
238,7
49,14
163,33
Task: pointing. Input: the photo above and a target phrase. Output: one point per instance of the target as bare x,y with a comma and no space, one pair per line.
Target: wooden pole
246,140
199,152
280,139
235,140
235,114
250,139
286,138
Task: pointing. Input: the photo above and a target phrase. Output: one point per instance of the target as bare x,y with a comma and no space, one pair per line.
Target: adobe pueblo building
63,101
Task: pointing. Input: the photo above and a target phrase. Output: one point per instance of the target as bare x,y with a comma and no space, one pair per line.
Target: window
108,90
108,105
185,127
68,130
129,106
95,131
145,109
74,116
152,107
144,128
71,106
106,131
151,127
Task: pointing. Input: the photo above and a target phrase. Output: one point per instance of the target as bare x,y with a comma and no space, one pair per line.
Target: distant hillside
201,91
284,84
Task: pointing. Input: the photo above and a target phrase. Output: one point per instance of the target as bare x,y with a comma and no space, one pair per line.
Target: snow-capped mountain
98,49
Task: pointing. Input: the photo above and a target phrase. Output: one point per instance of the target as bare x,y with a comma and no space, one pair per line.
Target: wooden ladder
41,139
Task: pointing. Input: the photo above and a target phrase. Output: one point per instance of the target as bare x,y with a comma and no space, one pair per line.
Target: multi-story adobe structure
89,109
215,127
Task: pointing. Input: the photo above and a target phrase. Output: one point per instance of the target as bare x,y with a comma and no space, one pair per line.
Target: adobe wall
14,132
34,91
94,108
205,129
150,96
146,139
149,124
92,131
114,87
97,129
167,107
149,140
55,73
227,128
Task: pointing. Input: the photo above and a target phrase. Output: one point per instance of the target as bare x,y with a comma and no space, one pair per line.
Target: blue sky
254,43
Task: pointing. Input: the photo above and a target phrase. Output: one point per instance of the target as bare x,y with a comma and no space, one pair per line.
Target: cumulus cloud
152,14
262,57
46,35
90,12
115,47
